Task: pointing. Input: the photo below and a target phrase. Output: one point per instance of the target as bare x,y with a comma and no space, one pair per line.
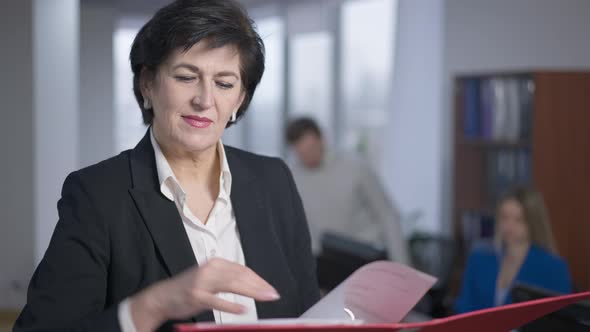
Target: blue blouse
540,268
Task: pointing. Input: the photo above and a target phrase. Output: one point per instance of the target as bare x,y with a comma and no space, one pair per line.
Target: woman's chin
199,144
516,242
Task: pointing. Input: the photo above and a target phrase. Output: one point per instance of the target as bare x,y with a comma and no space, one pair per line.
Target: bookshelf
525,128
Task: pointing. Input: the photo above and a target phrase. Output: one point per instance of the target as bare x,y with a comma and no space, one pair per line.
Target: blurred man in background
342,195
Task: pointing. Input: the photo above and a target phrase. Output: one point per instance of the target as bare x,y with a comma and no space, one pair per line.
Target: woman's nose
203,98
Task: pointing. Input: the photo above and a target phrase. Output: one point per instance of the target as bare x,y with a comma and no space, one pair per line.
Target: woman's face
512,225
193,96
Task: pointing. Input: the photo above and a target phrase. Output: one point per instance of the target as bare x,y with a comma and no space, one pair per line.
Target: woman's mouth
197,121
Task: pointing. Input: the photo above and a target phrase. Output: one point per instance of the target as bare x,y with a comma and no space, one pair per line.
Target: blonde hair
535,216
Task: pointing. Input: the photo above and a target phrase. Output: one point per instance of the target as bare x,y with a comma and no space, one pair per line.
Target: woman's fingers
249,288
197,289
229,277
216,303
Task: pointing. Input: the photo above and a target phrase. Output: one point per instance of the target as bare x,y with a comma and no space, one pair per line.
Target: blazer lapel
259,242
163,221
159,214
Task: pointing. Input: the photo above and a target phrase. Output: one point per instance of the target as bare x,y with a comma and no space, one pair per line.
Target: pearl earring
233,117
146,104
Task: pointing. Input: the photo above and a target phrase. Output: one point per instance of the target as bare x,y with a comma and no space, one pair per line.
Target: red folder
498,319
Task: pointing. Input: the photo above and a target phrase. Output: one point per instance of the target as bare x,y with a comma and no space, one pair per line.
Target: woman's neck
193,169
517,250
197,170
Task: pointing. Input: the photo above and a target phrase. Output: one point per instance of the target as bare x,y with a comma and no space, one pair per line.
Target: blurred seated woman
524,252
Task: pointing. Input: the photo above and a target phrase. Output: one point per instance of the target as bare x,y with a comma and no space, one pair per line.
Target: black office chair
434,255
341,256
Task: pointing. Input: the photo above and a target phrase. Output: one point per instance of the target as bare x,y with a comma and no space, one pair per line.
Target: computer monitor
341,256
573,318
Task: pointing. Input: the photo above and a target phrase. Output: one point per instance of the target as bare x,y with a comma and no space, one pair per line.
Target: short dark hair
182,24
301,126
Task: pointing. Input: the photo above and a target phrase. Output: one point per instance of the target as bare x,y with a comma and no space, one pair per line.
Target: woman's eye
224,85
185,78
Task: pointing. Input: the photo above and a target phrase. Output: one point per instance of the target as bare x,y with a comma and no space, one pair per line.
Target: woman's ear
240,101
146,82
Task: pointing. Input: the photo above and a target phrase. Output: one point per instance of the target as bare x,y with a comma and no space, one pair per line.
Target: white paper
379,292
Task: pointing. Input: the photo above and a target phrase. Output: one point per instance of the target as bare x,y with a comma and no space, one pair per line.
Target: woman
524,253
181,227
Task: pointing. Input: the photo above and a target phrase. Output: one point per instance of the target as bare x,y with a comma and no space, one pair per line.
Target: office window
264,119
367,29
311,78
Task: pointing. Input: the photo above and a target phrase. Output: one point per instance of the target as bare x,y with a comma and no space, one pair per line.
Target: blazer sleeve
302,259
68,289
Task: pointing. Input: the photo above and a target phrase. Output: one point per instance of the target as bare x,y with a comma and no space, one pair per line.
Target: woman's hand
194,291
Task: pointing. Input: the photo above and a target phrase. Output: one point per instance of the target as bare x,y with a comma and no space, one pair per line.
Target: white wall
56,111
413,155
483,35
47,128
97,106
16,144
508,34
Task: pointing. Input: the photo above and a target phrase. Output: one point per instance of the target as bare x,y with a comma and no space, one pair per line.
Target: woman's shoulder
259,164
541,260
482,260
247,155
483,251
111,166
540,253
105,175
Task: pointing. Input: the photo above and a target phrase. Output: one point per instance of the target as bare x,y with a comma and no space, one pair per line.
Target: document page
379,292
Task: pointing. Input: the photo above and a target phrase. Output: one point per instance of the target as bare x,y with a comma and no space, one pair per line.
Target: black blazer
117,234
